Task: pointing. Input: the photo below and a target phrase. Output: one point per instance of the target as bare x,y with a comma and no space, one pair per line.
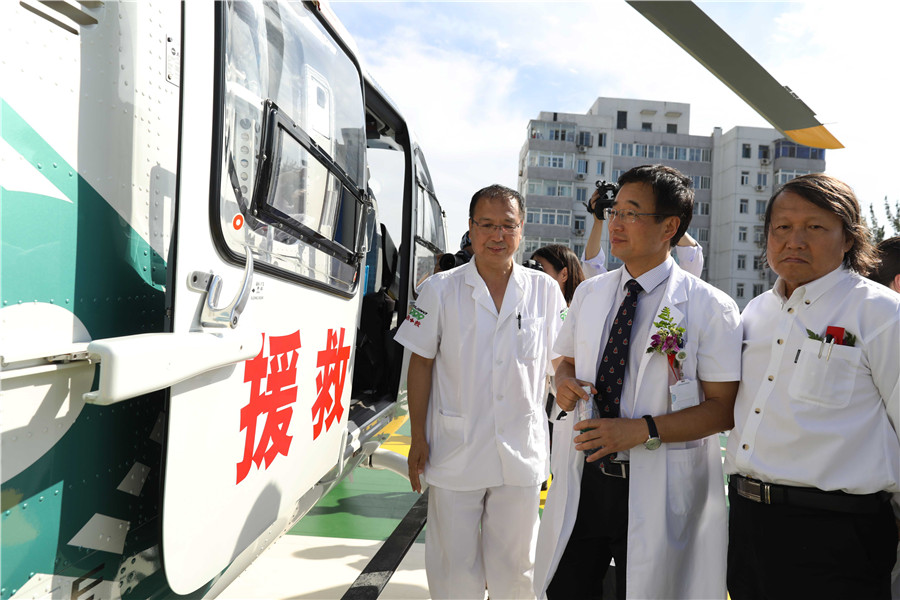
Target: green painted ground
367,505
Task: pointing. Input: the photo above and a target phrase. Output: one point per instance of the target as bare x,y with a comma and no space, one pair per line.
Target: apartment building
733,174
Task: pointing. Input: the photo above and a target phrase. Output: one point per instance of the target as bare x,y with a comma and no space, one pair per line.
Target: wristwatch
653,441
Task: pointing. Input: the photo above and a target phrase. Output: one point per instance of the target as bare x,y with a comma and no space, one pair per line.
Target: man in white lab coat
480,336
657,509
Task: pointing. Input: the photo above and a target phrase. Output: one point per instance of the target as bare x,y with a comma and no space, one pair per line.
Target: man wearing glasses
480,337
660,352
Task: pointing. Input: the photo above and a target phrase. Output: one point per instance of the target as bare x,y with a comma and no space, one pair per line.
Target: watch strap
651,426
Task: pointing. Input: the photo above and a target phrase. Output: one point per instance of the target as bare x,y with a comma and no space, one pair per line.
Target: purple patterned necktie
611,372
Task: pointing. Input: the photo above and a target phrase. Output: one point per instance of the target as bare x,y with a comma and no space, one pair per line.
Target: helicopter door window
429,238
293,146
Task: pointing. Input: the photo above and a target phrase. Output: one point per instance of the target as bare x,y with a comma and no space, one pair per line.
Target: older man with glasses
660,352
480,337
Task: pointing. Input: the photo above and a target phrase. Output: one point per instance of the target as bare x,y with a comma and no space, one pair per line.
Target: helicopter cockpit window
293,145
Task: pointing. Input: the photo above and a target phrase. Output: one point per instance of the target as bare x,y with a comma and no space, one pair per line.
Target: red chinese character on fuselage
332,363
279,369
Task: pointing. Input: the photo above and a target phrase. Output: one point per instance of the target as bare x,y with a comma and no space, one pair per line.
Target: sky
468,76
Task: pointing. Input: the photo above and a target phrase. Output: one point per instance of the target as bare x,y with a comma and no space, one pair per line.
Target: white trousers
480,537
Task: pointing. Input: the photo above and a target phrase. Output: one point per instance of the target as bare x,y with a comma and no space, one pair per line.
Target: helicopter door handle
211,284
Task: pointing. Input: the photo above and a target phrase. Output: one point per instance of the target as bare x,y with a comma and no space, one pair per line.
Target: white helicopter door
269,243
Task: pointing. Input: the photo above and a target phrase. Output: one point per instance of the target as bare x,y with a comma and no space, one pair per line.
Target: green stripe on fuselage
81,256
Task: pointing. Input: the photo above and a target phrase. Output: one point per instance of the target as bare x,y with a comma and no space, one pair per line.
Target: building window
744,206
584,139
671,127
601,140
762,179
763,152
653,151
581,194
601,167
530,244
703,234
578,249
701,208
701,182
745,151
760,207
621,119
548,216
745,177
645,126
579,223
554,160
758,235
757,264
742,261
739,290
581,166
550,188
742,234
757,289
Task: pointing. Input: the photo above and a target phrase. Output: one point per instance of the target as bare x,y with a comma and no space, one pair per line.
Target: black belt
771,493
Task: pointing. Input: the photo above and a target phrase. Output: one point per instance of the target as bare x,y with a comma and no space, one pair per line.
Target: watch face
652,444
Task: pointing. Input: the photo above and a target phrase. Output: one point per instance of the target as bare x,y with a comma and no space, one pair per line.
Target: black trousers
600,534
790,552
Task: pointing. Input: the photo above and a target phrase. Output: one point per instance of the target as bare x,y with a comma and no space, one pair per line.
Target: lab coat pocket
450,436
528,338
825,374
687,480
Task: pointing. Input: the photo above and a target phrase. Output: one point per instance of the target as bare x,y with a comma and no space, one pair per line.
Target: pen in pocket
797,356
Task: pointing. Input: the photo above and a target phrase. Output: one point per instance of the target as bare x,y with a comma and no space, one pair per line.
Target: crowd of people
806,381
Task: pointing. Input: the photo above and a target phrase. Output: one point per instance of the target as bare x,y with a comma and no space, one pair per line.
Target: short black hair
836,197
888,261
497,191
674,193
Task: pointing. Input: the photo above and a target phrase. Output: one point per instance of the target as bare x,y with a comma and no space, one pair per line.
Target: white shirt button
757,411
771,378
780,341
790,310
746,446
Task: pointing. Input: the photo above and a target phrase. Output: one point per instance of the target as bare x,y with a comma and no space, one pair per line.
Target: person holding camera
659,354
480,337
593,261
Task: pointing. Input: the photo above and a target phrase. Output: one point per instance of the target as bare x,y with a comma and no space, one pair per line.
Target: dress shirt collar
652,278
811,291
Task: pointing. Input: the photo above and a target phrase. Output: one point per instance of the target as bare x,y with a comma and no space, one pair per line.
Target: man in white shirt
814,458
658,509
593,260
480,337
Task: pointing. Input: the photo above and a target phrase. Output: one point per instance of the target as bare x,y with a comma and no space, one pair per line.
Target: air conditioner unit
579,176
582,149
578,231
760,188
761,216
765,161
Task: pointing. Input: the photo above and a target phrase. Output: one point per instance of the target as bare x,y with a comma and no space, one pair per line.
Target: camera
532,264
605,199
449,261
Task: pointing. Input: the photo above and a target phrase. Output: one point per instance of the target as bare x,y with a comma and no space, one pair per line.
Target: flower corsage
669,341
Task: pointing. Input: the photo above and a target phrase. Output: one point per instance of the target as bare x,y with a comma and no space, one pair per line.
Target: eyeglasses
629,216
504,229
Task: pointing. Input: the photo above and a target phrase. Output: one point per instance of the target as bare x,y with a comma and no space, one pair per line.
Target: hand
569,390
418,456
610,435
593,202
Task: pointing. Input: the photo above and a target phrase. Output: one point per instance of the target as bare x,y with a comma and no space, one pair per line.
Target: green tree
878,231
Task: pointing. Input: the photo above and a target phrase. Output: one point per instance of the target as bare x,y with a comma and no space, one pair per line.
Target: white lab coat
486,424
677,535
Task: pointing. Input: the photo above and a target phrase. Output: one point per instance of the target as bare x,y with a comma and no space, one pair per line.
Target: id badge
684,394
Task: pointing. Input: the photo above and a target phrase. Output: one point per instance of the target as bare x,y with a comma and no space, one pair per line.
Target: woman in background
560,263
